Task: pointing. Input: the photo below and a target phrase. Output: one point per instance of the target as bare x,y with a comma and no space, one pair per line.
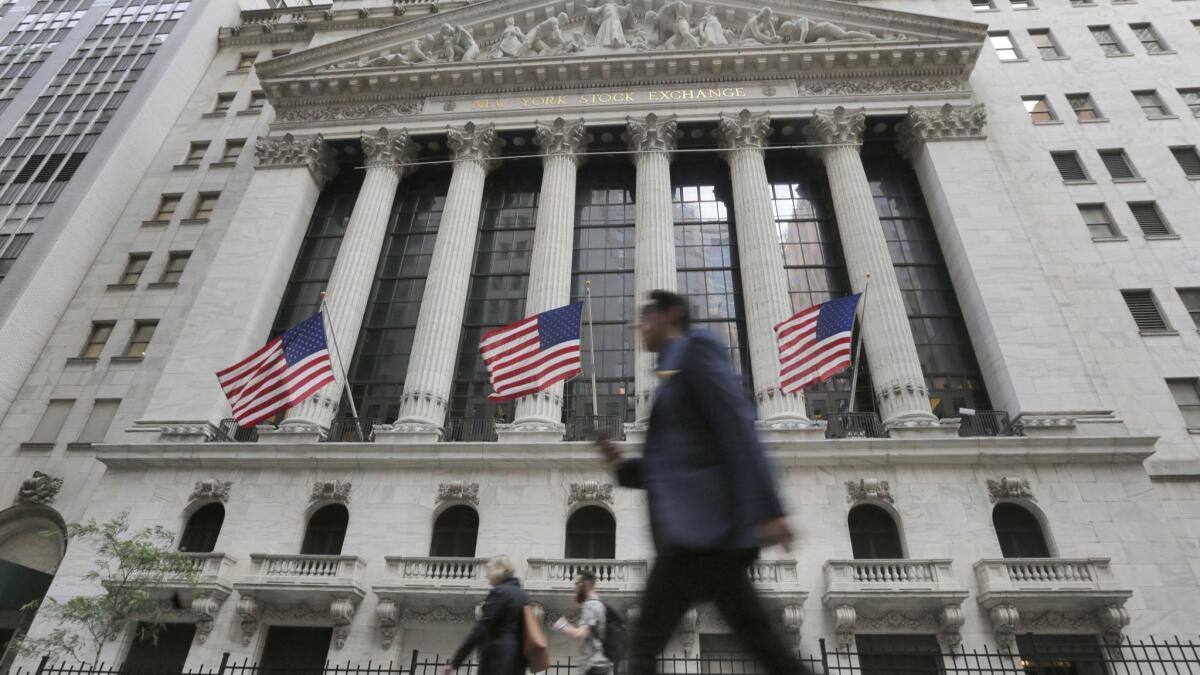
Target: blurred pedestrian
591,628
712,498
497,635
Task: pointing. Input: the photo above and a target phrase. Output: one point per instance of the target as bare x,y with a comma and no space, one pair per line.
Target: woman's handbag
537,656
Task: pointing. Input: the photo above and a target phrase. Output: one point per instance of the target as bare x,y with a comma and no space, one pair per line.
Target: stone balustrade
884,575
611,575
1043,574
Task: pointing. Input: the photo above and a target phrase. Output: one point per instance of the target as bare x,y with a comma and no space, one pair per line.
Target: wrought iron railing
351,430
230,432
587,427
854,425
988,423
470,430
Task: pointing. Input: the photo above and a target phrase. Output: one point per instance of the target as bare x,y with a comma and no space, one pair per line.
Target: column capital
743,131
476,143
837,127
946,123
652,134
290,152
389,149
561,138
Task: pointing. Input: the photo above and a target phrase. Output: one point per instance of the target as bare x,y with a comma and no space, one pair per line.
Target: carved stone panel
40,489
865,489
211,488
1009,487
458,491
590,491
331,490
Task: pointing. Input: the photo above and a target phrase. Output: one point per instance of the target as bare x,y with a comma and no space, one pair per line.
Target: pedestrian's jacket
705,472
497,635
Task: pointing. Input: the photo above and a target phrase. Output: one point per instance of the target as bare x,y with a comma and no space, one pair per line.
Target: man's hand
607,449
775,532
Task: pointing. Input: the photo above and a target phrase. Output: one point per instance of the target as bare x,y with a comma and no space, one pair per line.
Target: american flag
283,373
814,344
528,356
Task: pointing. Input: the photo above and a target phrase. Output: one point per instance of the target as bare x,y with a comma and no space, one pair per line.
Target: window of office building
1150,219
1191,98
943,345
53,419
1045,43
1084,107
258,99
233,149
1069,167
1151,103
133,269
205,203
167,205
246,60
1191,300
496,297
1145,311
1149,38
176,262
604,255
1038,109
139,340
1189,160
812,256
196,150
1187,397
1107,40
99,420
1117,163
101,331
1098,221
1006,49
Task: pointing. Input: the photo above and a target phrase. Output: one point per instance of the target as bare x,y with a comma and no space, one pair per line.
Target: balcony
982,423
433,578
1017,591
321,583
870,593
470,430
204,593
551,581
778,579
854,425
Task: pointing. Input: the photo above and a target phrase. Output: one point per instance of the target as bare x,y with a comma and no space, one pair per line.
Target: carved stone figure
40,490
802,30
457,43
711,31
606,24
760,28
511,41
546,38
670,27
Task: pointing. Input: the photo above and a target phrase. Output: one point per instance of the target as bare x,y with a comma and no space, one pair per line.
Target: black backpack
616,637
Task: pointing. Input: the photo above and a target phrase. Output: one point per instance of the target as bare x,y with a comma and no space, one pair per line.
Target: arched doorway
28,560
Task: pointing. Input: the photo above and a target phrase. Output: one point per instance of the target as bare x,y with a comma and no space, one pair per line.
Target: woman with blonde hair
497,635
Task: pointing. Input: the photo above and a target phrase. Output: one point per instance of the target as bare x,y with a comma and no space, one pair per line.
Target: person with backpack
711,492
595,651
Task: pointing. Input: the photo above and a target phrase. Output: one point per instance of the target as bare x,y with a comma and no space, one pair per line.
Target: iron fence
470,430
230,432
586,427
988,423
854,425
900,655
351,430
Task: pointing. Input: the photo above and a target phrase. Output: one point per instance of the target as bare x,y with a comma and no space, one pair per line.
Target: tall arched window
1019,532
592,533
326,531
200,533
873,533
454,533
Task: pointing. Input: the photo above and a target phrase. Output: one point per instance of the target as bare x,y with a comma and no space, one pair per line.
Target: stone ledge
824,452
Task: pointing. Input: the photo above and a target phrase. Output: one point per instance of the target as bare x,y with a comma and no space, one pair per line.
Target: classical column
439,324
764,280
235,305
349,287
900,389
987,242
539,417
653,140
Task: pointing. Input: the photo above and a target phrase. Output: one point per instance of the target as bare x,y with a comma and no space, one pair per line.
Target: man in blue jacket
712,498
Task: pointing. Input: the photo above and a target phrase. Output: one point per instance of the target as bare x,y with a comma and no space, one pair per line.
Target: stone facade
1107,461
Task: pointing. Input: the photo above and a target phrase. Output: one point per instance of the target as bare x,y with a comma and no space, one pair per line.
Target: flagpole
341,368
858,350
587,302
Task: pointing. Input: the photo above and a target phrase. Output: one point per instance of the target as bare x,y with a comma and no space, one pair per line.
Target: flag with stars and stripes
281,375
528,356
814,344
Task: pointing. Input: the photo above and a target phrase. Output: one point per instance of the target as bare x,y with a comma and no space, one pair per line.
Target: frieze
435,615
211,489
351,112
869,86
458,491
869,489
41,489
590,491
331,490
1009,487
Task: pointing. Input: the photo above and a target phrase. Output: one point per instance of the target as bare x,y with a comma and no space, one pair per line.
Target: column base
531,431
635,432
296,433
790,429
408,433
921,427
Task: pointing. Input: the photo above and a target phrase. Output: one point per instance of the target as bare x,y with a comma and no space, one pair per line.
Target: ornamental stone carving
331,490
652,134
388,614
211,489
947,122
475,143
350,112
434,615
39,490
844,620
458,44
248,610
590,491
1004,625
289,152
458,491
950,619
688,627
205,607
1009,487
868,86
793,618
868,489
341,611
1112,621
744,130
561,137
837,127
393,149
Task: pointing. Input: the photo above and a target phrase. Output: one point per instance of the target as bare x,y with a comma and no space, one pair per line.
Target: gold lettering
739,92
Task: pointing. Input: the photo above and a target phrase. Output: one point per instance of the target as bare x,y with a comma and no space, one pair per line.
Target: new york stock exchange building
1016,181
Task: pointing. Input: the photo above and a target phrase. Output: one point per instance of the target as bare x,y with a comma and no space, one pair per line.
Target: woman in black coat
498,635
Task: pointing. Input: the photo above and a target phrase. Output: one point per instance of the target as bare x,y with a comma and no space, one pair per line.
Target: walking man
710,489
591,628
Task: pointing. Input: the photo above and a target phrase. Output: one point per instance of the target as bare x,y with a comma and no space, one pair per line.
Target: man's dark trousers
681,580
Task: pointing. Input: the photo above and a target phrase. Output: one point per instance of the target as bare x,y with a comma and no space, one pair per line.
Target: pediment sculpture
613,26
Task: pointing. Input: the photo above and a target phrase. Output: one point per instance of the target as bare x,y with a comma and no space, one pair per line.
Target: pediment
504,45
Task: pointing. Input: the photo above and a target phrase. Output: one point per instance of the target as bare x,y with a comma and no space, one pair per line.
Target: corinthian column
895,367
231,316
764,280
439,324
353,273
653,140
539,417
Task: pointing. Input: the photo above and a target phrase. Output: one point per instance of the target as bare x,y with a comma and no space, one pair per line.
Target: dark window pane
326,531
203,528
591,533
873,533
454,533
1019,532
